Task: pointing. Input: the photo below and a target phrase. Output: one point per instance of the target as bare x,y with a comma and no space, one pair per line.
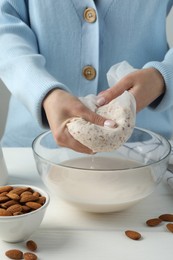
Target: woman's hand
60,107
146,85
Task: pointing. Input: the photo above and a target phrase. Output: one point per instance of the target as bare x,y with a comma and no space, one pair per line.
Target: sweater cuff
39,110
164,101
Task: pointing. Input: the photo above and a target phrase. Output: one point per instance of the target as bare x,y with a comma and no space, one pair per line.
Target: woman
53,51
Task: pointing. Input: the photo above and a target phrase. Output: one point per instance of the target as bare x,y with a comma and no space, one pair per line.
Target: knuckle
78,109
59,137
97,120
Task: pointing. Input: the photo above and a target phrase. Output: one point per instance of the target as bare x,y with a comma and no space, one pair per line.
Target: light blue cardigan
45,44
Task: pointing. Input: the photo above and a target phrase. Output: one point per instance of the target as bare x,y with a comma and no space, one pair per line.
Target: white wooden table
67,233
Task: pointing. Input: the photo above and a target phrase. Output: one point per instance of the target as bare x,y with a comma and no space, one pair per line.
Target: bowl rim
35,188
160,137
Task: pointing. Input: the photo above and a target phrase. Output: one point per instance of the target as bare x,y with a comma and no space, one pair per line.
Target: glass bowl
107,181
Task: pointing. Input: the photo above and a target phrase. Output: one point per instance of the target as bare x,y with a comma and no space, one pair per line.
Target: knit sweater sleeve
165,67
22,68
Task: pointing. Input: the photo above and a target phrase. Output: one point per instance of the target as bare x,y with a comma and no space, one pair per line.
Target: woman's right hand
60,106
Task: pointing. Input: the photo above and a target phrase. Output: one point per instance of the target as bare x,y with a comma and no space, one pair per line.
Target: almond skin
19,190
41,200
14,254
26,193
4,212
36,194
13,196
26,209
5,189
29,256
3,193
166,217
33,205
170,227
15,208
27,198
133,234
3,199
8,204
31,245
153,222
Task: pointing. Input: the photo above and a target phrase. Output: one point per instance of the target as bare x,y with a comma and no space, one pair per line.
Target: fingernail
100,101
110,123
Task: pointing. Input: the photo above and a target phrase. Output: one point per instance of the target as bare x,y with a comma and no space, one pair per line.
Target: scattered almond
170,227
29,256
14,254
166,217
31,245
18,254
133,234
153,222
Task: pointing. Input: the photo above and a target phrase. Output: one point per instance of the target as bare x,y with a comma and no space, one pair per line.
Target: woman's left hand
146,85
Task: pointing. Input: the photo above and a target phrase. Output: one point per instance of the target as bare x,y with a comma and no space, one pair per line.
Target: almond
31,245
153,222
13,196
19,190
3,199
33,205
8,204
166,217
17,213
15,208
14,254
26,193
36,194
41,200
27,198
4,212
170,227
5,188
3,193
29,256
25,209
133,234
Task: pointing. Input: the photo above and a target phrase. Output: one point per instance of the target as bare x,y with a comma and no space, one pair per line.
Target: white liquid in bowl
98,184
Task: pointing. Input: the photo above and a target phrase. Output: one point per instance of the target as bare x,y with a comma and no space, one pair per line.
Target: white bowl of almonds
22,208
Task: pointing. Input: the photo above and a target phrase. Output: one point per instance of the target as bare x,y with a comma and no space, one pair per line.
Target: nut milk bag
121,109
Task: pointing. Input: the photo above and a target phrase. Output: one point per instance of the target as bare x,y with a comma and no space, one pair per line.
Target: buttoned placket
89,49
